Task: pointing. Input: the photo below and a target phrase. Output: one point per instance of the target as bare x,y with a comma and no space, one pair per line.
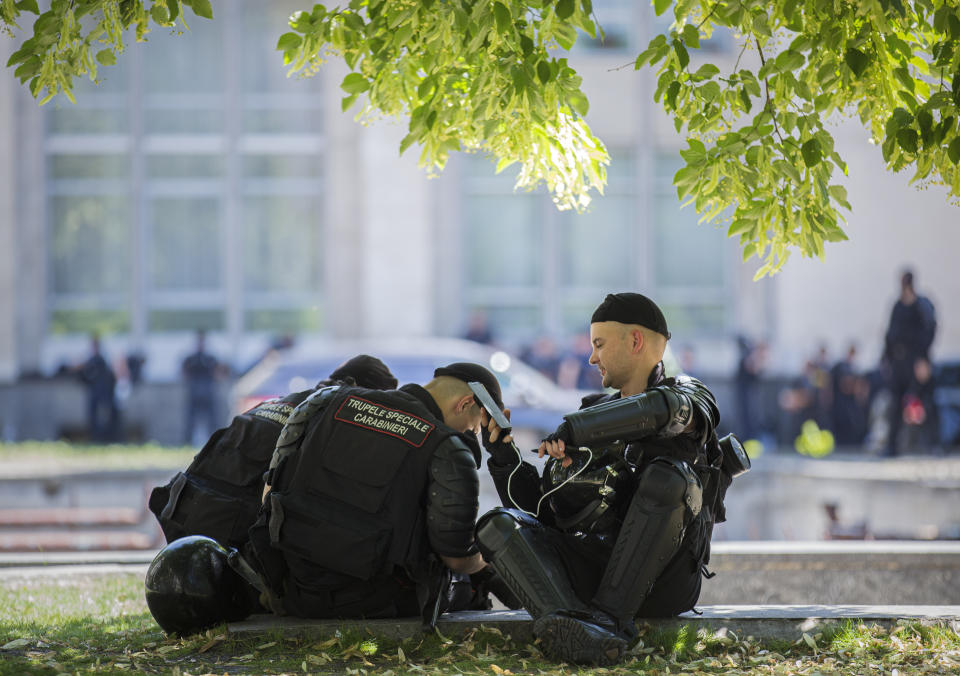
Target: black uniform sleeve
453,498
523,490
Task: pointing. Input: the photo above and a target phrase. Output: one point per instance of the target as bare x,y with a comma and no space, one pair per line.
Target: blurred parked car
535,402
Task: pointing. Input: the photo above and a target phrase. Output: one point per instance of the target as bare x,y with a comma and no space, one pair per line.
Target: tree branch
769,104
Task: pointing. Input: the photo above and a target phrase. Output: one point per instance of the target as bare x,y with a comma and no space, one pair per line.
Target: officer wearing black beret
618,526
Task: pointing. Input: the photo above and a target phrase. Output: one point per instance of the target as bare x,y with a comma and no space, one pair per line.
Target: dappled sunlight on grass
99,624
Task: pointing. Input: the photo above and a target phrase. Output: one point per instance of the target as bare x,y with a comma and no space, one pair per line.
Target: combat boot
591,637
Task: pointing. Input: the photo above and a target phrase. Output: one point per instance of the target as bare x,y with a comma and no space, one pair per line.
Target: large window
184,191
534,270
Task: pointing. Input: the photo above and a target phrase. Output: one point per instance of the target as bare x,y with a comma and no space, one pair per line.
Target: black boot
590,637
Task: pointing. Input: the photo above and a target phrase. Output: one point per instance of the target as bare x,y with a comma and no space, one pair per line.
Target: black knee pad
513,543
667,482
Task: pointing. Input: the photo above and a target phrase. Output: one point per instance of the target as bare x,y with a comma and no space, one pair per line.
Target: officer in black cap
372,499
618,526
219,494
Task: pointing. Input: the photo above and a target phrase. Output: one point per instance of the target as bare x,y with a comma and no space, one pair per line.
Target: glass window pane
184,166
281,243
103,322
513,321
282,121
284,321
90,248
74,120
193,121
191,62
685,254
501,244
185,247
185,320
687,318
263,69
597,246
282,166
89,166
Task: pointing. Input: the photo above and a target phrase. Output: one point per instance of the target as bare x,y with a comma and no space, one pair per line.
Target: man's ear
464,403
637,338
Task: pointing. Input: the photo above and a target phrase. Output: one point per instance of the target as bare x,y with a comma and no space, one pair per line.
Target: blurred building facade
197,187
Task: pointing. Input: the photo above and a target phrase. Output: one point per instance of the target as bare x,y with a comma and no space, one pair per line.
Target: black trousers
585,556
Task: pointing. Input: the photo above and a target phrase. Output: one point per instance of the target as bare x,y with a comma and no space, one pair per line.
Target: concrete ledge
774,622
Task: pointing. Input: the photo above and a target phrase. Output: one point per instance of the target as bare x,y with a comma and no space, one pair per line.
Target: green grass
100,625
64,455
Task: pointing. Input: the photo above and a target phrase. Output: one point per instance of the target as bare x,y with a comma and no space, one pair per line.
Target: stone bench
763,622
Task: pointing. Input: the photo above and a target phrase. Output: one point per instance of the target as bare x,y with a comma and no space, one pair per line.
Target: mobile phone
490,406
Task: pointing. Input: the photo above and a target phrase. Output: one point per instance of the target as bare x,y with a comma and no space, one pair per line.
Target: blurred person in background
848,410
103,416
906,353
201,371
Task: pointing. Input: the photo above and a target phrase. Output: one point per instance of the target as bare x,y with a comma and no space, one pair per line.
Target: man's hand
499,448
555,445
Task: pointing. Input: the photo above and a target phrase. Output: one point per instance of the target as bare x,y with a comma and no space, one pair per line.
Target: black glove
487,582
562,433
501,453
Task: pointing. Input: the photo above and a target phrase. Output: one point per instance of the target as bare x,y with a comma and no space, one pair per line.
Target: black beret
366,371
631,308
469,372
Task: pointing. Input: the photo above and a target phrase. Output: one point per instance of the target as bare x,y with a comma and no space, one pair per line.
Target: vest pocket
335,537
194,508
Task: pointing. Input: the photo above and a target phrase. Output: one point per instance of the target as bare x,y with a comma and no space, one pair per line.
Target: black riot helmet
588,495
190,586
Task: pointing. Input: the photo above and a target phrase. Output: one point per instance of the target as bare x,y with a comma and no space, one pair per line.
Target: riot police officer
372,498
219,494
619,524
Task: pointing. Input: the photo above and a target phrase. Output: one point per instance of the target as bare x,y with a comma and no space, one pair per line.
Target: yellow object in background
813,441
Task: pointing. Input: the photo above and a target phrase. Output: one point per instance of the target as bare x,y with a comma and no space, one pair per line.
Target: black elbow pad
658,412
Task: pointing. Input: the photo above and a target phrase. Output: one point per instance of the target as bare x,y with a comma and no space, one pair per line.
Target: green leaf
173,7
691,36
954,23
856,60
705,72
811,152
544,72
565,9
28,68
953,150
28,6
347,101
670,97
907,139
503,18
682,56
106,57
202,8
578,102
354,83
660,6
288,42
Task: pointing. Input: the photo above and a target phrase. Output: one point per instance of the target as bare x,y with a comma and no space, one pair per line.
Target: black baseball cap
631,308
469,372
366,371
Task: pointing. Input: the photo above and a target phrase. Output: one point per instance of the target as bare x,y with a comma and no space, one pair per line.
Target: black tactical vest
219,494
349,497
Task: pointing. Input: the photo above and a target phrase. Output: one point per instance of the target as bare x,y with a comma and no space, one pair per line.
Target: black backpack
219,494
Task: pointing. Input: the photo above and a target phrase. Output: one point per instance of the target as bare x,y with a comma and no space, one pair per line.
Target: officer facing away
619,525
370,503
219,494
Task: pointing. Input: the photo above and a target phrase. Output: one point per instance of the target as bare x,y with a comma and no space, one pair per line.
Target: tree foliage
492,76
